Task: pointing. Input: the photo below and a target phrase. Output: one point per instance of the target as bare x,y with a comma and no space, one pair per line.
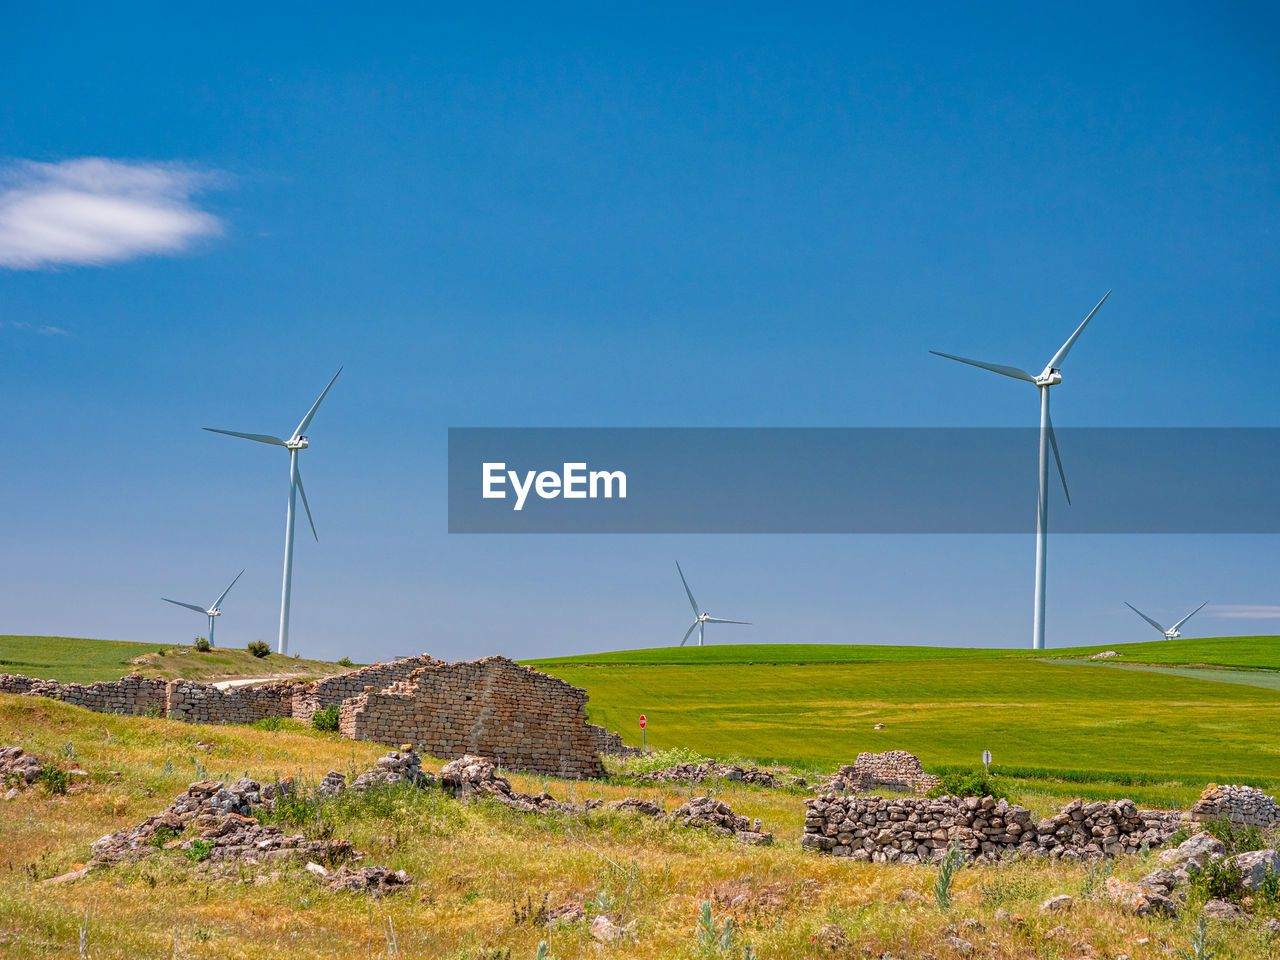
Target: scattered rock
605,930
316,870
1057,904
709,770
878,726
375,881
635,804
566,914
1254,866
715,815
1104,655
1139,900
70,875
1272,926
1195,852
831,937
1223,910
18,768
958,945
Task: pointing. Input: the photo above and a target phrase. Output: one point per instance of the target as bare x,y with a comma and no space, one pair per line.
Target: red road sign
642,721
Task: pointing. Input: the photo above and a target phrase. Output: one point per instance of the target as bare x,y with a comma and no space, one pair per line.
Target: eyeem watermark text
574,482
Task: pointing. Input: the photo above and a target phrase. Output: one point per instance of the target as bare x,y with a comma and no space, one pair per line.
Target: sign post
986,760
643,723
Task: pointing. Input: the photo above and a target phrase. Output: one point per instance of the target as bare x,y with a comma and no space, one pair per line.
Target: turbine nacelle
296,443
1050,377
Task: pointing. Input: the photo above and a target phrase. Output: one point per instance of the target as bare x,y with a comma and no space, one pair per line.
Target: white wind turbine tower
700,619
1173,632
214,610
295,444
1050,376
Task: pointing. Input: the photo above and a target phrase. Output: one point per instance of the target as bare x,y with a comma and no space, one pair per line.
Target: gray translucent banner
861,480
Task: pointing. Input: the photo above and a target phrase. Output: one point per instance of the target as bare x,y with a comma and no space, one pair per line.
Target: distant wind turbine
1173,632
294,445
214,610
700,619
1050,376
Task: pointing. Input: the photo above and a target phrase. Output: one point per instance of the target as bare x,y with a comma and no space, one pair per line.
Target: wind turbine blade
718,620
1189,616
306,421
1053,442
1015,372
688,633
217,603
260,437
692,602
1071,341
306,506
189,606
1144,617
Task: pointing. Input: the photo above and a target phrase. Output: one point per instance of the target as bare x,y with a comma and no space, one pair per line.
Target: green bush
202,645
200,850
326,720
260,649
345,662
1237,839
268,723
163,835
1219,880
975,784
53,778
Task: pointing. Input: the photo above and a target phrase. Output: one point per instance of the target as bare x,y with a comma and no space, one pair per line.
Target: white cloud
96,211
1247,611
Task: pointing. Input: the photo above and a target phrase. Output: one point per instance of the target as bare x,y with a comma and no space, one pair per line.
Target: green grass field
1260,653
1156,736
83,661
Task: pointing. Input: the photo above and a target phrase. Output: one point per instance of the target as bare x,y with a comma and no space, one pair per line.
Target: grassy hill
1054,724
83,661
475,864
1262,653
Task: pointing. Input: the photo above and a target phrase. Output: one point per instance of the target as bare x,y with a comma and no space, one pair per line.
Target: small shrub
326,720
1095,877
714,937
202,645
53,778
200,850
164,835
1219,880
948,867
1237,839
975,784
153,712
345,662
260,649
1202,948
660,759
268,723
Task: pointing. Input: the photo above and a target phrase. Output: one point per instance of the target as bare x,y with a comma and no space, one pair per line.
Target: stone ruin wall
895,770
919,830
133,695
610,744
491,707
194,702
1243,806
331,691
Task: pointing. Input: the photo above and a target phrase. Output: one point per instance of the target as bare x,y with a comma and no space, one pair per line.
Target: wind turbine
1173,632
214,610
295,444
1050,376
700,619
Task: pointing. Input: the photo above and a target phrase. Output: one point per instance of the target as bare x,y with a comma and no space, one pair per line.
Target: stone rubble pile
919,830
609,744
1243,806
895,770
708,813
375,881
709,770
17,769
219,815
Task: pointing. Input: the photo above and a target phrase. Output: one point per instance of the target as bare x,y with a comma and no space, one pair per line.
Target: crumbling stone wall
15,683
919,830
610,744
204,703
1243,806
895,770
491,707
331,691
132,695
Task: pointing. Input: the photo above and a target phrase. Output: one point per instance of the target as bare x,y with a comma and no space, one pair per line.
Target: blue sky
736,216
